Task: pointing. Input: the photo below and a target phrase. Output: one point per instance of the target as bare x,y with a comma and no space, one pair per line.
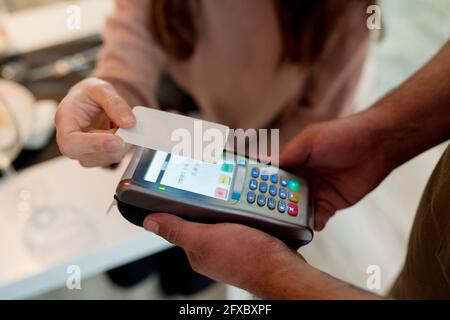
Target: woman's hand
343,161
86,121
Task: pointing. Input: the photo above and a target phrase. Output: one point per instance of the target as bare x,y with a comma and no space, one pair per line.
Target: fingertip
167,226
321,217
127,120
151,225
320,222
114,143
319,225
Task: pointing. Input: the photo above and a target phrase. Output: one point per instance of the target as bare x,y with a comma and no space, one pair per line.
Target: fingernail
151,226
319,224
113,145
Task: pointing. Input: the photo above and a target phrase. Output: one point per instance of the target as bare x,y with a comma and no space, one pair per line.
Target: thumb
175,230
117,109
297,152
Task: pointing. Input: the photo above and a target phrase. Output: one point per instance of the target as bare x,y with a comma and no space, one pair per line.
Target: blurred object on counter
23,121
32,25
49,226
40,62
49,73
3,39
18,198
34,118
18,100
76,63
10,139
19,5
43,124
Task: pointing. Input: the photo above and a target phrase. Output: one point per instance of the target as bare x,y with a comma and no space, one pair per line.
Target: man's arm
416,116
307,283
410,120
250,259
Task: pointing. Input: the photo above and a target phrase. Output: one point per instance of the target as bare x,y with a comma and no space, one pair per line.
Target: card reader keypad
277,193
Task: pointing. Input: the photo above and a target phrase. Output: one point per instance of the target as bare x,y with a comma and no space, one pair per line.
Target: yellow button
293,196
225,180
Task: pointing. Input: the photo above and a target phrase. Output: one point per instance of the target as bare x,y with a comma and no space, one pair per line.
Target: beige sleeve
129,58
329,91
338,75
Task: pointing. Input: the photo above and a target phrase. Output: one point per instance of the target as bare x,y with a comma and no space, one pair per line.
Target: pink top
234,75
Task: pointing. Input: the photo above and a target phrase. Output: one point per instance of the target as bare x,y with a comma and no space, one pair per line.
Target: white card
176,134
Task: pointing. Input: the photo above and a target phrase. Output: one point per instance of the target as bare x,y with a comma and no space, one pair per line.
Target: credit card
177,134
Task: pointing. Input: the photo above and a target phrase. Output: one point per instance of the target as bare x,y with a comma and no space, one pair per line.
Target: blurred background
53,221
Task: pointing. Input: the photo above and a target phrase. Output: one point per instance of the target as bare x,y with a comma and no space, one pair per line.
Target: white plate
20,102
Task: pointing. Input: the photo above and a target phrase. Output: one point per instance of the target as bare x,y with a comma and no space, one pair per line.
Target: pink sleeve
338,76
129,59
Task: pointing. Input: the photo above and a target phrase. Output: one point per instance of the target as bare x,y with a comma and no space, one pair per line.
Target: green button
294,185
227,167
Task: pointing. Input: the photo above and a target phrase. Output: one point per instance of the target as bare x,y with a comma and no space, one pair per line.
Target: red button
221,193
292,209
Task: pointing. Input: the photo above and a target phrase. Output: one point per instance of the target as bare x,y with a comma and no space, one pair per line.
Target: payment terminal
235,189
